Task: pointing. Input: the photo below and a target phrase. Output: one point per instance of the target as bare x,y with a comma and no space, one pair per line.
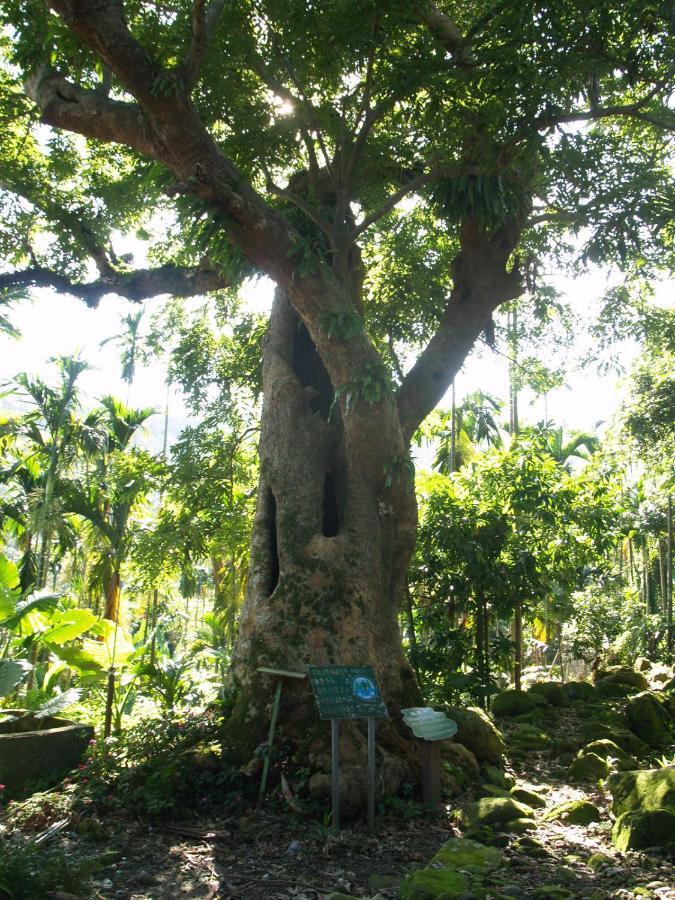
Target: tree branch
307,208
481,282
445,30
64,105
204,22
138,285
391,201
632,110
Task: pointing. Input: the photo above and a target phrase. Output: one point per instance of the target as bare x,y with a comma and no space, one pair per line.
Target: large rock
496,810
468,856
434,884
514,703
619,734
529,798
451,871
579,691
528,739
610,751
621,681
551,691
638,830
574,812
642,664
478,732
588,767
646,790
648,719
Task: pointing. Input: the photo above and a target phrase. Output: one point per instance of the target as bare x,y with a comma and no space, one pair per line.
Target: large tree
399,169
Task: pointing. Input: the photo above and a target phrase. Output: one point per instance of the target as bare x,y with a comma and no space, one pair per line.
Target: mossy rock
467,856
642,664
598,859
434,884
574,812
496,810
551,892
492,790
640,829
529,738
648,719
500,778
647,790
621,682
514,703
551,691
518,826
588,767
609,750
579,691
529,798
477,732
619,734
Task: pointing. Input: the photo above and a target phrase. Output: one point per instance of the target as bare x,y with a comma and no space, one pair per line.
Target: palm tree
473,425
108,495
129,343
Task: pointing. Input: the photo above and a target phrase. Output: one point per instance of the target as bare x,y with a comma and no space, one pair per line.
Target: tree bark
331,541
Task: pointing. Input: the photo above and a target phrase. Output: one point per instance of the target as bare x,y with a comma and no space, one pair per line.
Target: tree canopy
278,138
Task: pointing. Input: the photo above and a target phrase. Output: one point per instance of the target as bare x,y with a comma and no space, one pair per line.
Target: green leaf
58,703
68,625
12,672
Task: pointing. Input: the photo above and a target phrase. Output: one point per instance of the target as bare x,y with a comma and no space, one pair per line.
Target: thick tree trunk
330,548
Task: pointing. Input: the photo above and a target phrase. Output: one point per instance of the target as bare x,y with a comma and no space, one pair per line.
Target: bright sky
54,325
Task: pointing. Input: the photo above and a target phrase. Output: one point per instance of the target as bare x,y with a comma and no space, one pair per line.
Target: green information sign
346,692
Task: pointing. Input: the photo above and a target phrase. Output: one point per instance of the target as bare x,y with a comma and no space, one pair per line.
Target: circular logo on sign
364,688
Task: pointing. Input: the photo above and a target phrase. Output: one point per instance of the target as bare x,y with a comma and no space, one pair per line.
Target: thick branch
90,113
141,284
631,110
204,22
445,30
481,283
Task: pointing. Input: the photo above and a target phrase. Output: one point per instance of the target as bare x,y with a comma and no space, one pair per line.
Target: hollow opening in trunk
311,372
331,515
273,545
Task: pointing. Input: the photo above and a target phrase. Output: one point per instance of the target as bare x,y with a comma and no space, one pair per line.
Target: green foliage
151,769
28,872
370,385
342,324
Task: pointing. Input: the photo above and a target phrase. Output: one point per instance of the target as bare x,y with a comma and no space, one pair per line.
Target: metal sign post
371,773
276,703
348,692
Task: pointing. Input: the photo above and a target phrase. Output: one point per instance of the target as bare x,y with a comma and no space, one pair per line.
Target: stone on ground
493,810
574,812
551,691
528,738
514,703
588,767
609,750
500,778
648,719
529,798
518,826
642,664
429,884
640,829
582,691
649,789
619,734
451,871
620,681
478,732
468,856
